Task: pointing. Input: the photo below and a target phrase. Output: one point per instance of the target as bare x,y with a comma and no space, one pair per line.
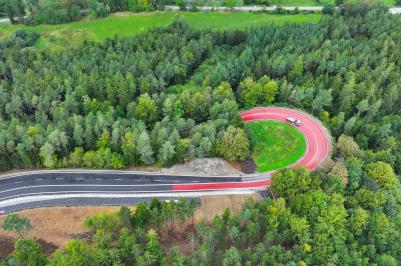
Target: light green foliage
166,153
347,146
146,109
28,252
106,222
289,183
75,253
145,149
255,93
232,257
128,147
382,173
47,155
76,157
369,199
234,145
358,221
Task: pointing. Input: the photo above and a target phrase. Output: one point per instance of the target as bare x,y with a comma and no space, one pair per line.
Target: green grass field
127,24
275,144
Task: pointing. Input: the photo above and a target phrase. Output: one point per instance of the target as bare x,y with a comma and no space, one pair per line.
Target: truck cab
294,121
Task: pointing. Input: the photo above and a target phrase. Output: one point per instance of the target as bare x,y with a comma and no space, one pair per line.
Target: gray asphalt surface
51,183
84,202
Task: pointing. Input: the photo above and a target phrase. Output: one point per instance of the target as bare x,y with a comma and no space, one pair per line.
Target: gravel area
203,167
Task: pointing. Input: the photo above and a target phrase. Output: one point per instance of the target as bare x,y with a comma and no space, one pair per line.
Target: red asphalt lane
224,185
316,151
316,137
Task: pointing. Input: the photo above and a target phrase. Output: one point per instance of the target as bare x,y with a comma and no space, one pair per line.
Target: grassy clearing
275,144
127,24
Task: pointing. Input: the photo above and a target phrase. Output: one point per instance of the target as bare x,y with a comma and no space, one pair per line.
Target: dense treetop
177,89
173,94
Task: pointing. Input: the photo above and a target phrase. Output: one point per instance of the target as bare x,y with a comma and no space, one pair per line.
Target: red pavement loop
316,151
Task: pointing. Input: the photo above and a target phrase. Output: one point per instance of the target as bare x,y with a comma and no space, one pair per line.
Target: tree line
35,12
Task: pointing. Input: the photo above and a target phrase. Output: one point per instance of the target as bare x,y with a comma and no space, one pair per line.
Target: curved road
58,187
316,137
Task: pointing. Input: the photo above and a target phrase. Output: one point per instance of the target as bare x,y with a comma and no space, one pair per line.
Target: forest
173,94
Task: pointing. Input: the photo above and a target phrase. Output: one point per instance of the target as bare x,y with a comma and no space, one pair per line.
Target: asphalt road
77,201
38,188
59,187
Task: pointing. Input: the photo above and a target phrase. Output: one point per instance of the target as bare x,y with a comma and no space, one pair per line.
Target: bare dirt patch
204,167
6,246
215,205
54,226
57,225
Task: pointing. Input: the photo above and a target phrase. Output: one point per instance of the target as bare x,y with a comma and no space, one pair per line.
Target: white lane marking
39,179
59,178
268,177
84,171
128,192
17,182
118,179
29,199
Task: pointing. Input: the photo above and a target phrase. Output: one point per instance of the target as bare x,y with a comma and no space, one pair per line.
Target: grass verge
275,144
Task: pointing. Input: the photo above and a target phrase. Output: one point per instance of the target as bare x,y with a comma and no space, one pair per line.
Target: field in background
127,24
275,144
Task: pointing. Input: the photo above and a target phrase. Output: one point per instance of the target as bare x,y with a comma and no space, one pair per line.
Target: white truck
294,121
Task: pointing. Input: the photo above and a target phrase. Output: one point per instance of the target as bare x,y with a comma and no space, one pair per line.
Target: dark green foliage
34,12
14,10
112,108
53,12
81,107
14,223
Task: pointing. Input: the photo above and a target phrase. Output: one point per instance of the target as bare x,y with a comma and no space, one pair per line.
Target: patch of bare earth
54,226
215,205
204,167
